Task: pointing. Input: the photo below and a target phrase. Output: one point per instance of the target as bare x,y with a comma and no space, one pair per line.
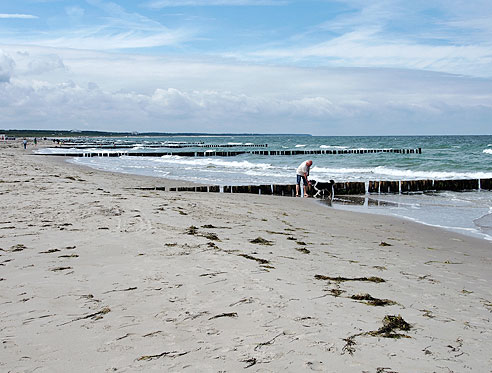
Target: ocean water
443,157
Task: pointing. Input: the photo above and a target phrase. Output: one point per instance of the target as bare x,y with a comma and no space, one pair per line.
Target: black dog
321,190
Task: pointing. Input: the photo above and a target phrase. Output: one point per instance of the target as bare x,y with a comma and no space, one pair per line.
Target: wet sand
97,275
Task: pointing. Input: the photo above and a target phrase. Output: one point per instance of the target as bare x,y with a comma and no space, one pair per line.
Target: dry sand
96,275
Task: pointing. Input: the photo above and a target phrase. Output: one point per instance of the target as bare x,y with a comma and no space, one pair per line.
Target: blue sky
348,67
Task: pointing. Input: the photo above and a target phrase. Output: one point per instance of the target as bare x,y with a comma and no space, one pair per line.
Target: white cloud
6,67
18,16
127,92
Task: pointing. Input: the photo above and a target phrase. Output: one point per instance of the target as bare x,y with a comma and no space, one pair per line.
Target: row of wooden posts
235,153
177,145
345,188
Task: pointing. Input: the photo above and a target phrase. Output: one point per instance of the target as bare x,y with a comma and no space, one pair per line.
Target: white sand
126,288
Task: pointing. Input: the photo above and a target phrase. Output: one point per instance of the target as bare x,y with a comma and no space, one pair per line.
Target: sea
441,158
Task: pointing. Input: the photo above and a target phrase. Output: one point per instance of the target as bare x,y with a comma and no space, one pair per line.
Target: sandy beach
98,275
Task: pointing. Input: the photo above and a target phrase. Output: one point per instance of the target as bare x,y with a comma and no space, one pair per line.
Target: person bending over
303,173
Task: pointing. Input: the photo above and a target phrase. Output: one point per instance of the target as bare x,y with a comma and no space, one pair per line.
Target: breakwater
153,145
330,189
210,153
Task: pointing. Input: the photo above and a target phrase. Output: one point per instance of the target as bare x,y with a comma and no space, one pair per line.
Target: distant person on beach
303,173
35,141
24,142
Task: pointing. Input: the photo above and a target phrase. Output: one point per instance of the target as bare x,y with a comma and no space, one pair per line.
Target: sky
321,67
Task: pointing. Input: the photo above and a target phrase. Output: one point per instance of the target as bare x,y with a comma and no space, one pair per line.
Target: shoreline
100,276
177,182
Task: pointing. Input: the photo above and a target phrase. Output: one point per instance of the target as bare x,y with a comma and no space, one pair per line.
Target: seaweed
259,260
390,324
336,292
261,241
342,279
301,243
57,269
18,247
372,301
250,362
49,251
282,233
211,236
303,250
192,230
382,243
69,256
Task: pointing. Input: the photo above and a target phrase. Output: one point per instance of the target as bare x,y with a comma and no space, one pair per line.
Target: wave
300,145
207,162
382,172
487,151
333,147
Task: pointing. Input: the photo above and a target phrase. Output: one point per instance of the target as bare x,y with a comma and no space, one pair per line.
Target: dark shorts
304,180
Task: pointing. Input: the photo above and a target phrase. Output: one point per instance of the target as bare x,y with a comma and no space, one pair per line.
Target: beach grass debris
171,354
208,226
349,345
212,274
261,241
117,290
291,238
226,314
95,316
242,301
382,243
370,300
343,279
301,243
269,342
303,250
259,260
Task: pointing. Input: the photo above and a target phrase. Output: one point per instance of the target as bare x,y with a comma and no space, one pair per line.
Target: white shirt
303,169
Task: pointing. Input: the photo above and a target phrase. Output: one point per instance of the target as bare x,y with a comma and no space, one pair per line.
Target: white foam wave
333,147
300,145
207,162
390,173
235,143
487,151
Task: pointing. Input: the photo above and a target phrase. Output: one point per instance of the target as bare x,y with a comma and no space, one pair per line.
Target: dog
321,190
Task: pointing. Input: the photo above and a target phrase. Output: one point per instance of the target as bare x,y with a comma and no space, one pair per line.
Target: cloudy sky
348,67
